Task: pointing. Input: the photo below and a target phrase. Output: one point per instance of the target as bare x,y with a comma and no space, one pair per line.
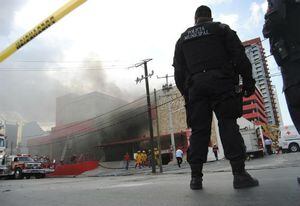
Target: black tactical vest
203,47
293,23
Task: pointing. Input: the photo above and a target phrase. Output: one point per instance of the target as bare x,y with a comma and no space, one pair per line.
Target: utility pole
11,147
144,63
158,133
166,88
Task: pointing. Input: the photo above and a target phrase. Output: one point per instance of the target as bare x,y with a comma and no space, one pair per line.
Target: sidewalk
268,162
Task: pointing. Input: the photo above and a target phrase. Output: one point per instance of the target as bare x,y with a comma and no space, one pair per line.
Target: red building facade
254,109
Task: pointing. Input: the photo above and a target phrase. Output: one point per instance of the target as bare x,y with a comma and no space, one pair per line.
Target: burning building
111,133
83,122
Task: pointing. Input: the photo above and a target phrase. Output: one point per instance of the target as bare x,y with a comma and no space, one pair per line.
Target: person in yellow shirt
138,160
144,158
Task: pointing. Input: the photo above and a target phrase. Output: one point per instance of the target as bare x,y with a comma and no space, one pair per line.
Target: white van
289,139
290,144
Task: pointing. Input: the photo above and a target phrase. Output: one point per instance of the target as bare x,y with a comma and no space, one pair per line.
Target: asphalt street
278,186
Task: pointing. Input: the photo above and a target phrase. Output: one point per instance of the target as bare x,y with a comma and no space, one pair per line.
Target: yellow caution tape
45,24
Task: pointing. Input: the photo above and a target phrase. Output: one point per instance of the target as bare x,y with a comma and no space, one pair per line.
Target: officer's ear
197,20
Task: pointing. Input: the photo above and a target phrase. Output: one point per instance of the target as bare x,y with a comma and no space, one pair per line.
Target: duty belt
204,70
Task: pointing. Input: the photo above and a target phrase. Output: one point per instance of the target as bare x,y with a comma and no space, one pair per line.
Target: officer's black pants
201,120
291,80
214,92
292,95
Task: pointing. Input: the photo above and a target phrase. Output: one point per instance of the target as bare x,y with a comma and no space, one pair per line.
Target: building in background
76,108
86,121
28,130
261,74
18,131
254,108
11,132
278,108
109,136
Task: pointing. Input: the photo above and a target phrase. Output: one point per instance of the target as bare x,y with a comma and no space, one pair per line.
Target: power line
68,68
263,40
60,69
275,74
102,115
74,136
68,61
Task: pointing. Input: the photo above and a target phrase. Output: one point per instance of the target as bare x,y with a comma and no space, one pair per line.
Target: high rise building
254,109
278,108
261,74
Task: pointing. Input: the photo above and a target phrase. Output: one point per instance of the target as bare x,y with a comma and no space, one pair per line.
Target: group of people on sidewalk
142,159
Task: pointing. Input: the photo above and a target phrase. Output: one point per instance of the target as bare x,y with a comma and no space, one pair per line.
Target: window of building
257,63
260,76
258,68
247,102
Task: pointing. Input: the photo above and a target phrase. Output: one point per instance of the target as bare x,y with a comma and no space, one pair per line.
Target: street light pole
171,129
166,88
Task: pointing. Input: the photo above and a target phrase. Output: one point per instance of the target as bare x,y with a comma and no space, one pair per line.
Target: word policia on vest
196,32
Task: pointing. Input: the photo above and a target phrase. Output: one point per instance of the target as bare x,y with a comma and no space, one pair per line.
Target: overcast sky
116,32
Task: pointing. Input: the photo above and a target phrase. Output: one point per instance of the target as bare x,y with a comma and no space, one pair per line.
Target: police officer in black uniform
282,27
209,57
